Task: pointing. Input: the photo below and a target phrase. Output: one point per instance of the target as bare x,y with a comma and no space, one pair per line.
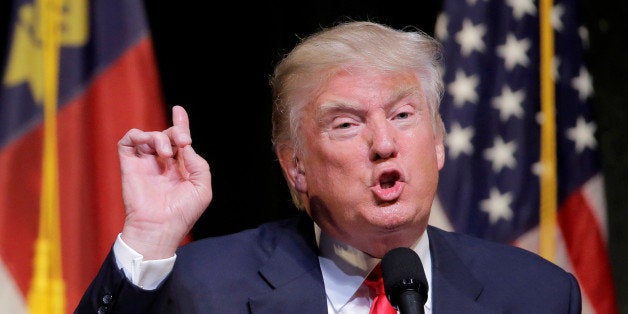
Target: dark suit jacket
274,269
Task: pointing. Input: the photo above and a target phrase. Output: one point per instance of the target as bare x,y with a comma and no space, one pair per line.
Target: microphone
404,280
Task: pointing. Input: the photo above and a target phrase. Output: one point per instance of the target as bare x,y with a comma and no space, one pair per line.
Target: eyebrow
337,106
352,106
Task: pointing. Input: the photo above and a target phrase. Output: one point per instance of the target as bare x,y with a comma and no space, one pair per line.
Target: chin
393,223
403,224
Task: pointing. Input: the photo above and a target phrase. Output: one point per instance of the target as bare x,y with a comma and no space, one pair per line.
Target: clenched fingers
139,142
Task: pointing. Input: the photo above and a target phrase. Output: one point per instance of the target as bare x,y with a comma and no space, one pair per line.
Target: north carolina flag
514,149
78,75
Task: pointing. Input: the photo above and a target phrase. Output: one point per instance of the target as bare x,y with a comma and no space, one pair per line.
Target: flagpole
548,184
47,292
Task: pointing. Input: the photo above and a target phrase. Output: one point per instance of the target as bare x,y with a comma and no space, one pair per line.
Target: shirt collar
345,267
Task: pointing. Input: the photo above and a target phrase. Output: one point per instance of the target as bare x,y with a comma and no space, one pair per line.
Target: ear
292,167
439,138
440,154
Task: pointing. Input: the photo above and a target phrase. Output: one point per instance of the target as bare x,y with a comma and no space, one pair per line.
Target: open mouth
388,187
388,180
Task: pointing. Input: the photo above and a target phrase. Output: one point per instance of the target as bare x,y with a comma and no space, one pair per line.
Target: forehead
359,87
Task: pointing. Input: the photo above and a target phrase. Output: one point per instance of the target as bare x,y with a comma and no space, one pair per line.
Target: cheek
339,157
337,174
337,171
424,157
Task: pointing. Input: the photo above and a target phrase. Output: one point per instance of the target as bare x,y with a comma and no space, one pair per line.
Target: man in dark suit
359,138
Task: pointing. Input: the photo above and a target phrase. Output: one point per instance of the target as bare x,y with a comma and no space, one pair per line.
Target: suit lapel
294,274
293,269
455,289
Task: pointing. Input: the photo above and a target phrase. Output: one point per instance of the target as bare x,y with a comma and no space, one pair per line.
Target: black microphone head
402,271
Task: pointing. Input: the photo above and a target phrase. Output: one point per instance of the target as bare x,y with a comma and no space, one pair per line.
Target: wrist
152,242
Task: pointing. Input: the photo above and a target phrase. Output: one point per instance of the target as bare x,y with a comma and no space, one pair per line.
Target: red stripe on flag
20,186
127,95
588,253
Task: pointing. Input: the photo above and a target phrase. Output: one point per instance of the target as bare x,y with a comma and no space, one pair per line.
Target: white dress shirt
344,269
144,274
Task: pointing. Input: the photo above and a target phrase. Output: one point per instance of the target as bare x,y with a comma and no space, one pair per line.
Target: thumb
197,169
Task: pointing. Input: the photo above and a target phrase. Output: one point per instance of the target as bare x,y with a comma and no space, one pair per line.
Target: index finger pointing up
180,130
180,117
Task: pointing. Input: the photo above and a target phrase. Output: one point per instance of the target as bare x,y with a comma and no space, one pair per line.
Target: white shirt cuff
144,274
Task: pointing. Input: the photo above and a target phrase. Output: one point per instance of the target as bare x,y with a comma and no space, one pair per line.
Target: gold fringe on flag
47,292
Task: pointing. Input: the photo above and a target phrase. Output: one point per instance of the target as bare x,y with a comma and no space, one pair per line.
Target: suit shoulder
486,254
262,237
506,278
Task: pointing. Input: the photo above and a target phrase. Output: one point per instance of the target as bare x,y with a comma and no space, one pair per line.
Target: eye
402,115
343,128
405,116
344,125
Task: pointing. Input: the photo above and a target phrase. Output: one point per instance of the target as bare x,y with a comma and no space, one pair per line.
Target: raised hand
166,186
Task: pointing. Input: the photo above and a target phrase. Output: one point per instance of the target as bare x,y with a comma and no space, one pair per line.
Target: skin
369,166
368,170
165,187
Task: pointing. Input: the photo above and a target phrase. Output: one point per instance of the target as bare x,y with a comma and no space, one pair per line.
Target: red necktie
375,282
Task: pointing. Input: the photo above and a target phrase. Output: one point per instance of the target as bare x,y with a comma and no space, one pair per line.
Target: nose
383,143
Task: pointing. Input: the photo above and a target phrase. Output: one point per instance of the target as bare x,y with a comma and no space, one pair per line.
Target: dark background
218,69
215,61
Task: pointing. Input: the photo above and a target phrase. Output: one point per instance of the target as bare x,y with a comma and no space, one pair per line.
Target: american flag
489,186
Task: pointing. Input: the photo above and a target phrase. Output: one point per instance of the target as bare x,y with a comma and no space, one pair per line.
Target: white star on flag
583,84
497,206
514,52
509,103
557,14
501,154
583,135
458,140
521,8
463,88
470,37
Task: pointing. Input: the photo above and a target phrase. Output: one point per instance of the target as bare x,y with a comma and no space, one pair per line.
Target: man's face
371,159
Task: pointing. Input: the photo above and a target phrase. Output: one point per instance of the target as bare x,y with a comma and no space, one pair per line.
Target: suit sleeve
575,301
111,292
